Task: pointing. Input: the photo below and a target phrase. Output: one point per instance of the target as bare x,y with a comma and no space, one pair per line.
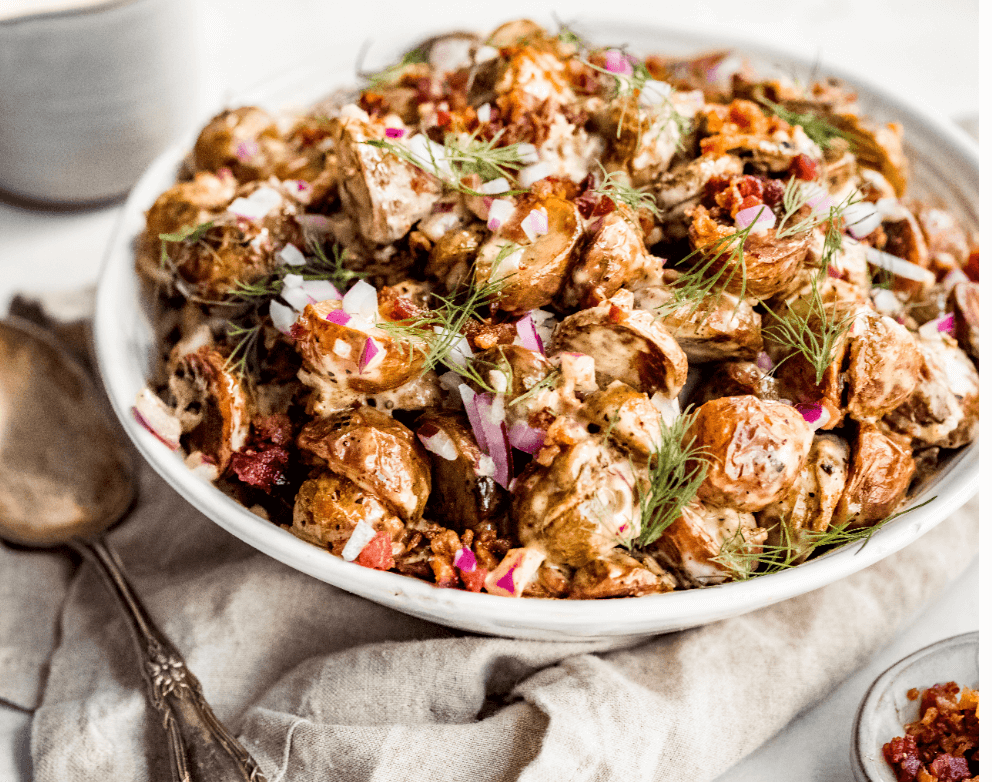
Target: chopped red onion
291,256
484,113
500,211
527,153
534,173
369,352
320,290
495,187
257,205
898,266
764,362
283,317
440,443
395,132
529,338
468,400
465,560
535,223
493,434
338,317
362,301
861,218
619,63
818,198
295,297
953,277
506,582
932,329
526,438
813,413
246,150
153,414
459,351
361,536
759,217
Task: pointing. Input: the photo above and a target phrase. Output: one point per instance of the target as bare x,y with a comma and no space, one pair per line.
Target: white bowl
945,163
885,709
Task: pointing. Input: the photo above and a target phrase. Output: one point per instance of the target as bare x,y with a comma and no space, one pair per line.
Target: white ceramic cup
91,93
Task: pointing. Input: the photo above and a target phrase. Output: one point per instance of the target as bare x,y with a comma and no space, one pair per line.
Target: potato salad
541,318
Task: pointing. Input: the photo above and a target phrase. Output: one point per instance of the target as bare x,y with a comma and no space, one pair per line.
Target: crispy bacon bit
804,167
942,746
474,581
264,469
263,462
378,553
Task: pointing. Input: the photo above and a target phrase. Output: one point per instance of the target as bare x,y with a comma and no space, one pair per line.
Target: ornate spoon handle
202,749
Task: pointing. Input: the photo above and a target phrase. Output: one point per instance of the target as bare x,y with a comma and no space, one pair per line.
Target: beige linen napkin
322,685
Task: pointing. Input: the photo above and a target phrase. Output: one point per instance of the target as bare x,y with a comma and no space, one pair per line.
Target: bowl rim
862,740
575,619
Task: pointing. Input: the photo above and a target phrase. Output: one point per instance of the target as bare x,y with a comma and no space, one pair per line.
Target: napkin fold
320,684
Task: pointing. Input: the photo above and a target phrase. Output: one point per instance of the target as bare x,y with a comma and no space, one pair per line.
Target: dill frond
819,131
190,234
814,334
745,561
718,262
243,353
391,73
320,267
619,192
675,472
462,157
631,85
437,333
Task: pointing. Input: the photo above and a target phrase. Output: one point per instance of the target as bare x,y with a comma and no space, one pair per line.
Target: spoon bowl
64,473
65,478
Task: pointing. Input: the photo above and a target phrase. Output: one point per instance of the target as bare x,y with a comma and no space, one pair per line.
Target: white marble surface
925,51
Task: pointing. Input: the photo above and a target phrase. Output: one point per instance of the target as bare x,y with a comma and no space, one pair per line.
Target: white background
923,50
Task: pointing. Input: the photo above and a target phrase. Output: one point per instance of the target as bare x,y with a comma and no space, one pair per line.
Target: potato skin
461,494
375,451
328,507
544,261
317,340
881,468
627,344
754,450
580,507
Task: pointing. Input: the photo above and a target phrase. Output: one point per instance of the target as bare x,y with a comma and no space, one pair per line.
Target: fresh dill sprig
568,36
619,192
460,157
244,350
795,197
391,73
320,267
744,560
675,472
817,129
815,330
190,234
629,85
438,333
721,259
813,333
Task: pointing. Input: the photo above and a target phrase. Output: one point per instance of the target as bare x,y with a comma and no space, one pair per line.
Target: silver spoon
64,479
